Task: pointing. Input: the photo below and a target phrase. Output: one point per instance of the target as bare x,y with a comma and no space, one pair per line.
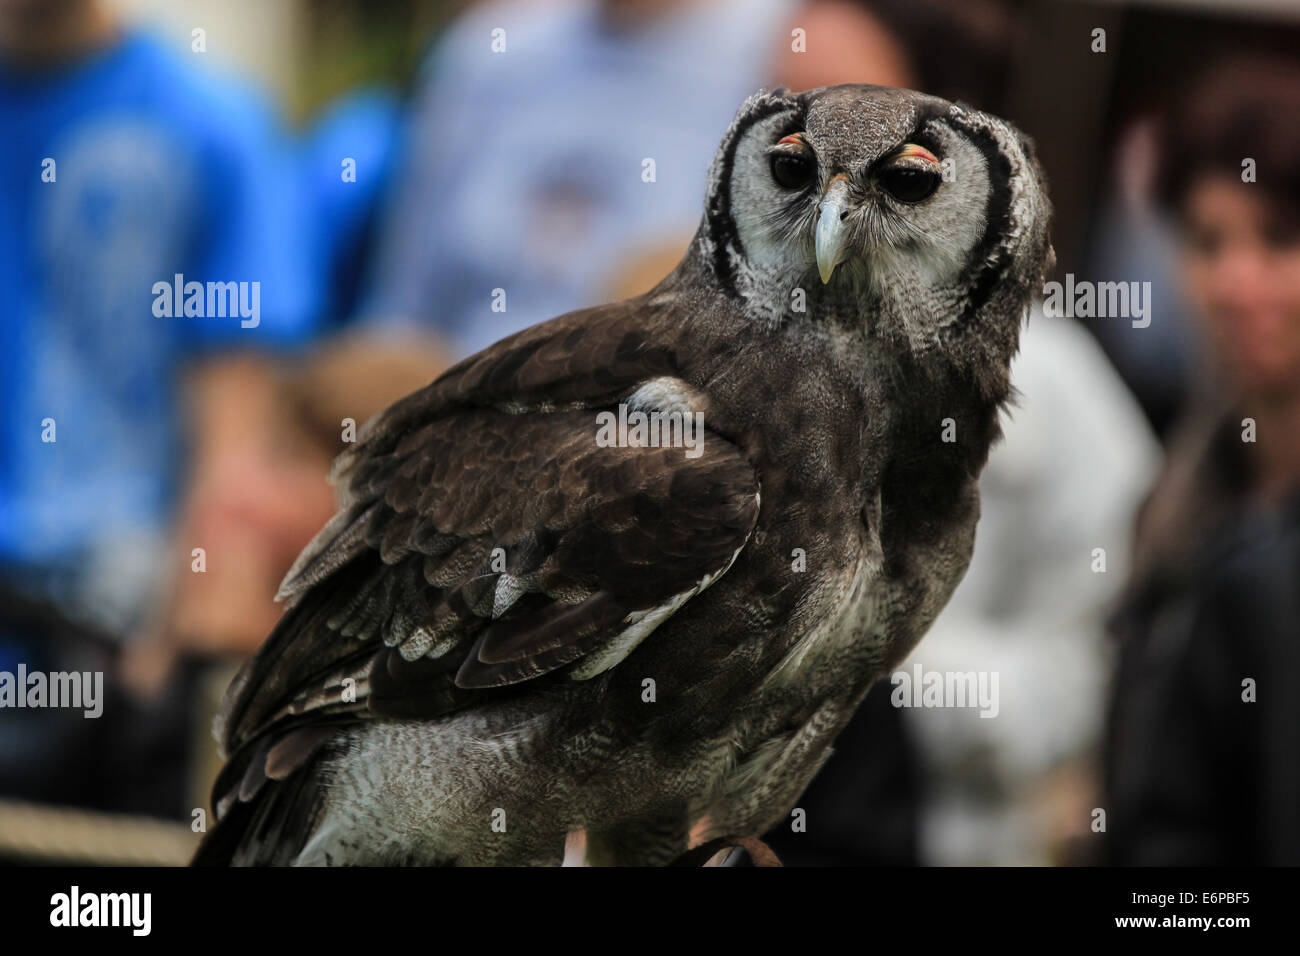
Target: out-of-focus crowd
200,305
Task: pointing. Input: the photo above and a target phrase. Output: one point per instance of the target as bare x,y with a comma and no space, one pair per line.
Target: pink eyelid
919,152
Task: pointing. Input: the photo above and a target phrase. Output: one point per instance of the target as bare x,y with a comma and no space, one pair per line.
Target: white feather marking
666,394
506,594
642,624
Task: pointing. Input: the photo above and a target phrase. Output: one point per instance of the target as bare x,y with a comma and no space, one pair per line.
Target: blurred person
128,170
127,167
549,142
1203,748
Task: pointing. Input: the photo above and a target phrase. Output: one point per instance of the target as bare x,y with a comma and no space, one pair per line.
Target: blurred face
1242,265
843,44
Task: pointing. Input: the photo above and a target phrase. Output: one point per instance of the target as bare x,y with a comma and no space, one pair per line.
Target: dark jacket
1202,761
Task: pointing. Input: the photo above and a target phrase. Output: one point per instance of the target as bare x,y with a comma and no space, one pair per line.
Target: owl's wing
486,539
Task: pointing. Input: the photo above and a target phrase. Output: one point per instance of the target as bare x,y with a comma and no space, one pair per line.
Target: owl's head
885,207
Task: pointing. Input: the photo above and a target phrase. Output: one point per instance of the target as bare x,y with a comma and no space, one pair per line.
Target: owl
616,582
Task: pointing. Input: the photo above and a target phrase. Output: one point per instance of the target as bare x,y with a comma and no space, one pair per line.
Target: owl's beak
830,226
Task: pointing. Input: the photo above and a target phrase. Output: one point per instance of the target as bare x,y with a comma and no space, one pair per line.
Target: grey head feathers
949,274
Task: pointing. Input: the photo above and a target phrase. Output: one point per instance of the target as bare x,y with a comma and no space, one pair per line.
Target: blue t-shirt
121,173
346,158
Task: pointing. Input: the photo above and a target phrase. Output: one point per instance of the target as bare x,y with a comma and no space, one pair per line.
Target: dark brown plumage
509,620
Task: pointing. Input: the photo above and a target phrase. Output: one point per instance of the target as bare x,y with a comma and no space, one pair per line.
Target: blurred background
379,168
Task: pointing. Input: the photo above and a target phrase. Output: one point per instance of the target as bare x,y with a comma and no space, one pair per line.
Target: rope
68,835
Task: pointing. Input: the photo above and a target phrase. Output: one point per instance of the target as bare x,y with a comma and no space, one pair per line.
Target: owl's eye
909,184
792,170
